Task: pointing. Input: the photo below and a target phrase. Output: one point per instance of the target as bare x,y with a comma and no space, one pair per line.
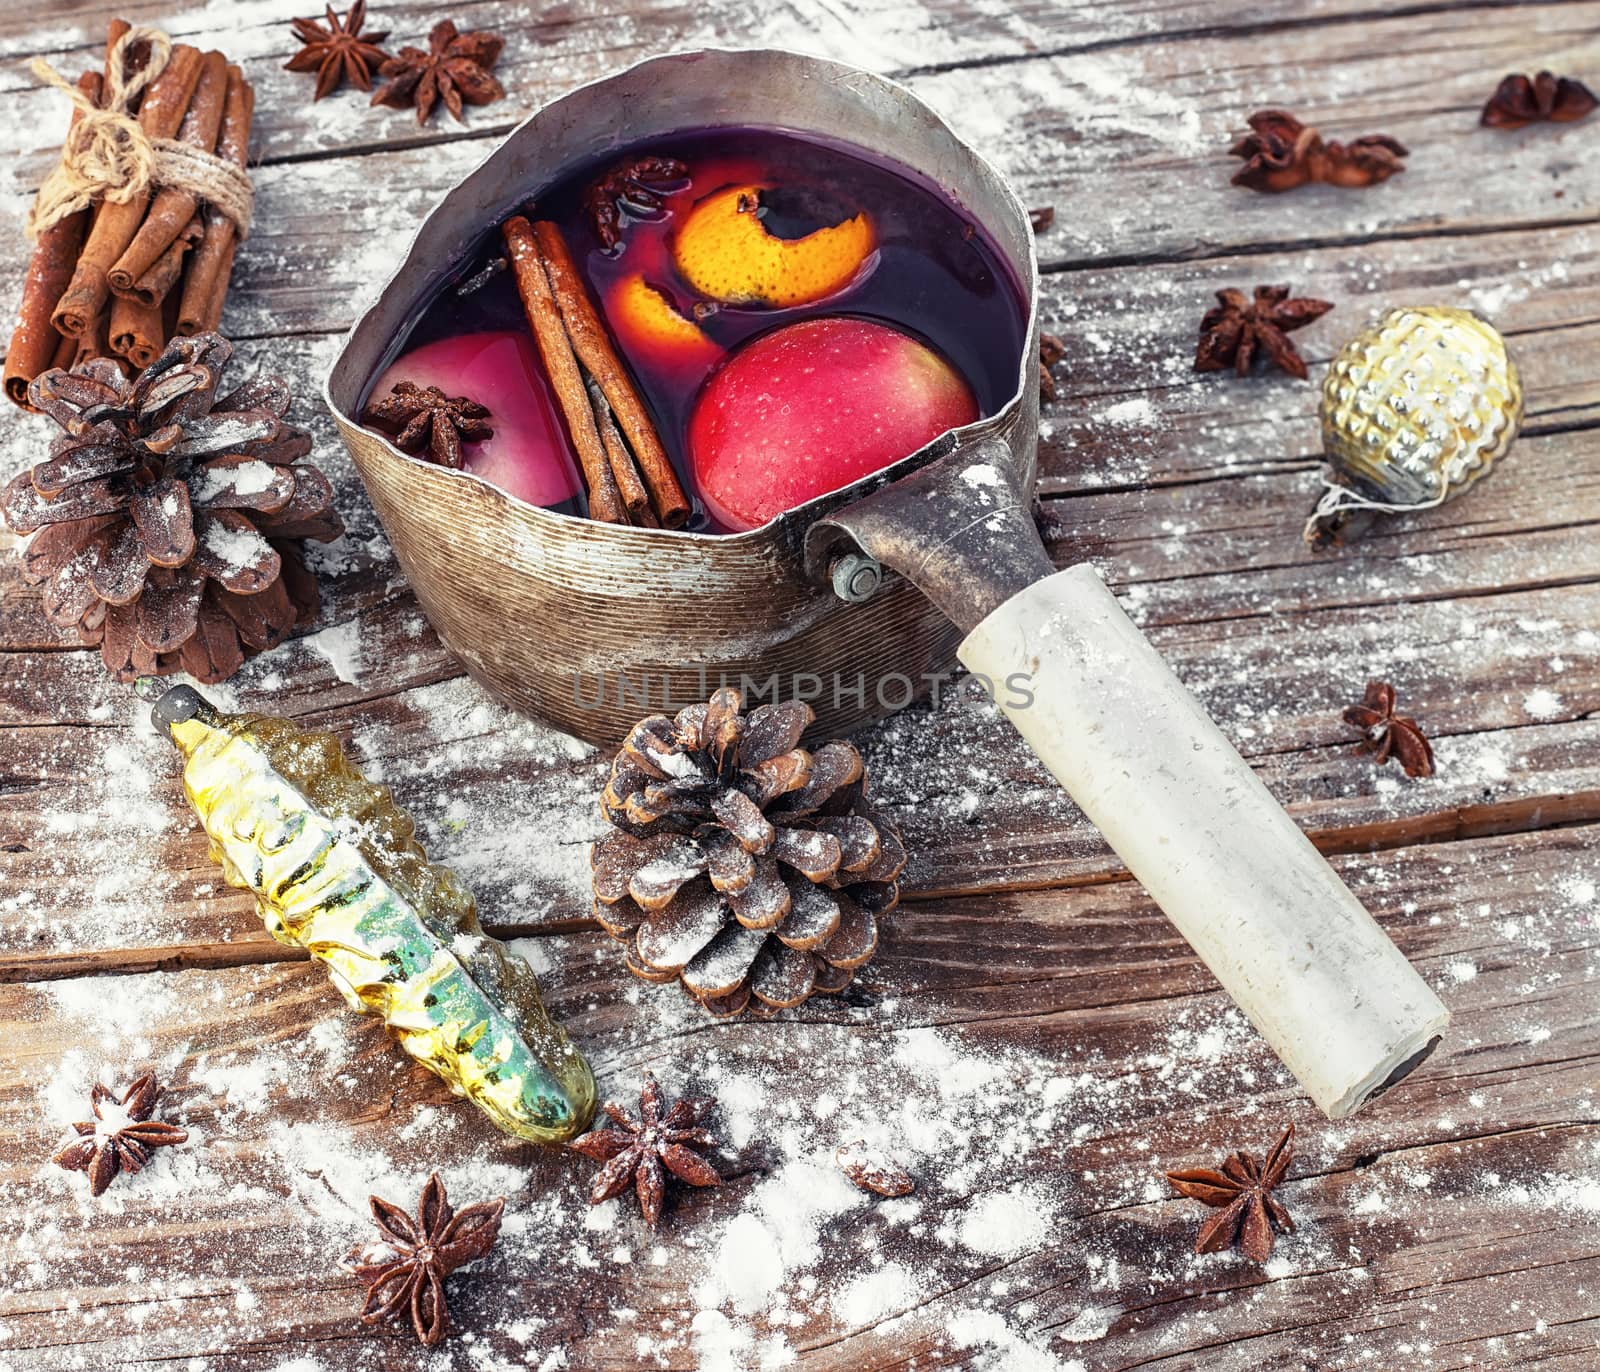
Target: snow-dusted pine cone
167,521
743,864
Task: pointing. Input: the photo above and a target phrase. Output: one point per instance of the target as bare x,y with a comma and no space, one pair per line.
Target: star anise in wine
338,51
405,1269
425,417
1281,153
1235,329
455,69
638,187
643,1151
1518,101
1243,1192
1385,734
121,1136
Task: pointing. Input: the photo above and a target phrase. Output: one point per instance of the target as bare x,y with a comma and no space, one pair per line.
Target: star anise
338,51
121,1135
637,186
425,417
1243,1191
1236,327
1385,734
1282,153
1518,101
1051,351
406,1268
455,69
638,1151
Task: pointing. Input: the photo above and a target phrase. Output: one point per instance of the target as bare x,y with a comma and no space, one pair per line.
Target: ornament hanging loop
1338,502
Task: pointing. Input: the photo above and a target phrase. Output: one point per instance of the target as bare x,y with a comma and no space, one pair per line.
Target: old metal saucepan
549,612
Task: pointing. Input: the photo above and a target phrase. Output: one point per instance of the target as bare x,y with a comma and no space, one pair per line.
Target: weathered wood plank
1102,439
562,45
1040,1055
1131,141
513,805
1037,1062
965,29
1186,556
1190,560
1133,412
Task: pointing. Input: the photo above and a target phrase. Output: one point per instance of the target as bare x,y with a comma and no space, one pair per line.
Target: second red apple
814,406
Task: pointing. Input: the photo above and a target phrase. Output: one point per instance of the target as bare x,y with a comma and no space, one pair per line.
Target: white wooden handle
1282,933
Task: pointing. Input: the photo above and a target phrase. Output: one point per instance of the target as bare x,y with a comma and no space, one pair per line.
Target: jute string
107,156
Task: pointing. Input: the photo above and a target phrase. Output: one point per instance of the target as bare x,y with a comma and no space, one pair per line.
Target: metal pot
588,626
533,602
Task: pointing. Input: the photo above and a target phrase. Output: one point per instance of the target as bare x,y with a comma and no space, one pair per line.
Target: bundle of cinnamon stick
120,278
626,471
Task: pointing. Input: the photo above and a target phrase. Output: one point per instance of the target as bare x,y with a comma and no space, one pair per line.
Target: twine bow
107,156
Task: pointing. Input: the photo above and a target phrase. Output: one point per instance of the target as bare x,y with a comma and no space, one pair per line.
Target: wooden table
1034,1037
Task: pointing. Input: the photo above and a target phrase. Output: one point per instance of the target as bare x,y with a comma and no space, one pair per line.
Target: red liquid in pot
841,235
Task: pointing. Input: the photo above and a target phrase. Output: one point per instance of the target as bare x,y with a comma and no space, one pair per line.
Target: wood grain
1093,981
1453,1225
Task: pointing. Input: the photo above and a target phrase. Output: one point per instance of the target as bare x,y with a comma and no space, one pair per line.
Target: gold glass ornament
335,869
1415,409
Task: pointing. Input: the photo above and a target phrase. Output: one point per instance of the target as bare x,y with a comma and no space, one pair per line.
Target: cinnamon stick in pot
630,484
171,209
116,223
205,283
561,366
593,347
36,346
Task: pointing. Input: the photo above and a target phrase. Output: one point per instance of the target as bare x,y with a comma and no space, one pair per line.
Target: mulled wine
710,327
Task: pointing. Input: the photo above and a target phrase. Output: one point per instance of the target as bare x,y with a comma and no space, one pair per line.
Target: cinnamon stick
593,347
205,283
169,319
171,209
66,353
626,471
219,287
561,366
136,330
152,288
92,342
35,343
161,111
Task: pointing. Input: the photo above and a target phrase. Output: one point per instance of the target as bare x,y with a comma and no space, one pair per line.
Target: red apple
813,406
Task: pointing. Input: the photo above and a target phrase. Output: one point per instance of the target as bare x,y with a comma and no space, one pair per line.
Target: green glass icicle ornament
1415,409
336,870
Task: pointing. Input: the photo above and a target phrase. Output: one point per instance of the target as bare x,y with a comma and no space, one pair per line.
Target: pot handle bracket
960,529
1302,957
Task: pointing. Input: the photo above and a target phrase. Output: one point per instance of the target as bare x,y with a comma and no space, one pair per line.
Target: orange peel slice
724,251
647,322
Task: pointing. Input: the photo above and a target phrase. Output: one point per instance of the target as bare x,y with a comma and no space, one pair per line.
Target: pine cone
744,865
166,521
